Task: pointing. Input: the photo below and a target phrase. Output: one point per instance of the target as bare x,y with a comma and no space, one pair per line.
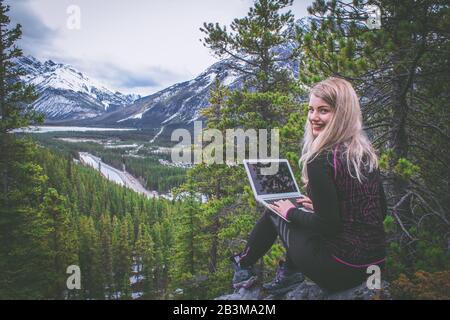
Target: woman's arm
326,218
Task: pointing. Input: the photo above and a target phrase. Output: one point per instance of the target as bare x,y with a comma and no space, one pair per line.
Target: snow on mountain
67,94
179,103
182,102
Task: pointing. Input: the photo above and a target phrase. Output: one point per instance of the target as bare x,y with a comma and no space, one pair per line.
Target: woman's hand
306,202
282,207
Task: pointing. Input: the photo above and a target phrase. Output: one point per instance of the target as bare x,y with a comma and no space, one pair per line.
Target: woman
334,245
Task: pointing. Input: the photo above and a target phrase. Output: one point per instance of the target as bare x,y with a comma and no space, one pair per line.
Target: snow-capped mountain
182,102
179,104
67,94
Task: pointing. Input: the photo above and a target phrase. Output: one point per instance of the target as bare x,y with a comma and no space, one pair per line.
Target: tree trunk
214,246
398,140
2,77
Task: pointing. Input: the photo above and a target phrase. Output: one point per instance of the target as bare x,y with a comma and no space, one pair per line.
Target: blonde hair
345,127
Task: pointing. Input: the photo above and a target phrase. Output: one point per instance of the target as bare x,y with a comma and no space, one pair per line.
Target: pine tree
401,71
189,259
62,240
15,97
122,253
253,51
160,263
23,255
125,293
144,253
105,228
254,43
92,281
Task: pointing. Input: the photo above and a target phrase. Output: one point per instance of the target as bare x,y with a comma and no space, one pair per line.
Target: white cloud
156,41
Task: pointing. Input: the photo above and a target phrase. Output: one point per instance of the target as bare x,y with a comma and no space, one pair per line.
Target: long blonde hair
345,127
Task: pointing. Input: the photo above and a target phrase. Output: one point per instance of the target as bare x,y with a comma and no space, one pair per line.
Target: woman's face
319,115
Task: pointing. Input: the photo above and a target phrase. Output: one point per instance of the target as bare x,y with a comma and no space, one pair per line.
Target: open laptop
271,185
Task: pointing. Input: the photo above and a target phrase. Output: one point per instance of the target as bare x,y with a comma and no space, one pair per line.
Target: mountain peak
66,93
49,63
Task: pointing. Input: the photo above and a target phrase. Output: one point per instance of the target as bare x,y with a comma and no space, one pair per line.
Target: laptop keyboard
293,200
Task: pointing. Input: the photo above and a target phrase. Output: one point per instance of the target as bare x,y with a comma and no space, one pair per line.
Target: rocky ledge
308,290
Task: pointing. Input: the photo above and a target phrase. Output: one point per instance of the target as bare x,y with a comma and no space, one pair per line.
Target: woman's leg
309,254
260,240
263,236
305,250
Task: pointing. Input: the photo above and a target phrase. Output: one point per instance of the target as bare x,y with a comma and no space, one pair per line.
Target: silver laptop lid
269,184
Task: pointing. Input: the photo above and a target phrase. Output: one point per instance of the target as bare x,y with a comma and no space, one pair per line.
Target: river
43,129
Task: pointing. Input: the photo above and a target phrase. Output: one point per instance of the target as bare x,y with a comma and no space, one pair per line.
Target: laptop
273,180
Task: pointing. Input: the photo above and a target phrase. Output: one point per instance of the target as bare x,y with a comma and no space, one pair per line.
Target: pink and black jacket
348,215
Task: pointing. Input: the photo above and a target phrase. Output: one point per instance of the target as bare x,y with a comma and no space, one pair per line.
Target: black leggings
305,250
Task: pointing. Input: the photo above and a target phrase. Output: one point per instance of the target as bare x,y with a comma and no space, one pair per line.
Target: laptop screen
280,182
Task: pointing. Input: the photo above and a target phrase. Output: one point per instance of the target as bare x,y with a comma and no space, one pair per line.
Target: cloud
36,35
141,47
147,79
122,77
152,77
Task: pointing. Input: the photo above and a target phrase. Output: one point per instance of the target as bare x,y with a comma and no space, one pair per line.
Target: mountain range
67,94
69,97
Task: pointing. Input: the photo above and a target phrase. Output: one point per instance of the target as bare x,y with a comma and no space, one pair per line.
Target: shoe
244,277
286,279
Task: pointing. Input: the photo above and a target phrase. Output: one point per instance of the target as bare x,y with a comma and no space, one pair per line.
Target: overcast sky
134,46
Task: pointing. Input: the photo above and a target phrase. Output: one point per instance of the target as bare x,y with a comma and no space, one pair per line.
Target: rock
253,293
308,290
362,292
